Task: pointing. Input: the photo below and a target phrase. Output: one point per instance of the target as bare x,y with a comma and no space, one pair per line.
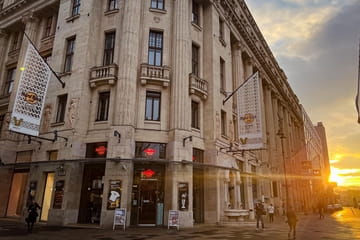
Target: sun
334,177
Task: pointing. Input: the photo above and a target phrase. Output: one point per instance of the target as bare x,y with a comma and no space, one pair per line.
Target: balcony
159,75
47,43
103,75
198,86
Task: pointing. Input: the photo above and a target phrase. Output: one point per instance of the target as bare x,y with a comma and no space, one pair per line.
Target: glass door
47,196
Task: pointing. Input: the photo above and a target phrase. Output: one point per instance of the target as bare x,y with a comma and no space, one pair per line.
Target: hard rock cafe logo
31,97
17,122
248,118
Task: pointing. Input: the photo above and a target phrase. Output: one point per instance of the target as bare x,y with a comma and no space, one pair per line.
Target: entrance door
198,192
91,194
148,196
17,193
48,191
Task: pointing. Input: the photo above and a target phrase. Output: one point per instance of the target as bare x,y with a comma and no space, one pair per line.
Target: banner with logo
250,124
30,95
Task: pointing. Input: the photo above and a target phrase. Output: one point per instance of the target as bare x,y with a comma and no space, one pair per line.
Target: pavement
340,225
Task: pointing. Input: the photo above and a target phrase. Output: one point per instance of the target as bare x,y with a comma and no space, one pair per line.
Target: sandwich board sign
119,217
173,220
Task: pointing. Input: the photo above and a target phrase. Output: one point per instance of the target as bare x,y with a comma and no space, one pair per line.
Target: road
340,225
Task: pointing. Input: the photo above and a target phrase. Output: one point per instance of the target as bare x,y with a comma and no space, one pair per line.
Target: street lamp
282,136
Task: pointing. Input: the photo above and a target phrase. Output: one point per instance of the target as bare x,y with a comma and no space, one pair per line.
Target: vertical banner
357,99
31,93
249,96
114,195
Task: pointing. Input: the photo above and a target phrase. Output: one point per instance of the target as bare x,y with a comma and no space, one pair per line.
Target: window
195,60
48,26
103,107
152,107
155,48
275,188
198,155
2,117
223,123
222,75
195,13
60,114
9,83
158,4
109,48
75,8
112,5
96,150
221,29
15,41
52,155
24,156
195,115
69,54
150,150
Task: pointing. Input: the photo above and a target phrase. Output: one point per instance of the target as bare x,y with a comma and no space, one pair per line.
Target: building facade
140,123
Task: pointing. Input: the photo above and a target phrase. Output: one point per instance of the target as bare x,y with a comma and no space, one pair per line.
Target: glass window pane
156,110
148,110
151,57
158,58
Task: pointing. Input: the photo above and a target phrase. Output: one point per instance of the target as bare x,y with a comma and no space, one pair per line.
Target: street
339,225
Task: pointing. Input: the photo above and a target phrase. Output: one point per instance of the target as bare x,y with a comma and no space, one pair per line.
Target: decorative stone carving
46,118
73,112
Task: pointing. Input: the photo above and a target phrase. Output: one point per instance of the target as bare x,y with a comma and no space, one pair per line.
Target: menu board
119,217
58,194
173,220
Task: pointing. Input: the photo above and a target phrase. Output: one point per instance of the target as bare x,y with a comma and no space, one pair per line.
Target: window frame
61,108
157,3
195,13
103,106
195,60
222,75
223,123
9,82
75,10
195,115
154,37
108,57
48,26
112,5
153,96
69,53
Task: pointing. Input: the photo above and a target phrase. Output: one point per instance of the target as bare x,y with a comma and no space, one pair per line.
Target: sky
316,43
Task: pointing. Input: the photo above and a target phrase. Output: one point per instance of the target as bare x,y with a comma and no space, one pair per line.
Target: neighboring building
315,166
140,122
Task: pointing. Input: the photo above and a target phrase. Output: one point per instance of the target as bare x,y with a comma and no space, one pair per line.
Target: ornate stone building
140,123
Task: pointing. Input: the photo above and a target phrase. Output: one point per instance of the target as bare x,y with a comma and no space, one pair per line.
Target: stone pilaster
31,25
4,37
237,67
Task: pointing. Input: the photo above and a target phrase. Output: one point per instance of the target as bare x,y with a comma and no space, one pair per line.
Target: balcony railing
103,75
154,74
198,86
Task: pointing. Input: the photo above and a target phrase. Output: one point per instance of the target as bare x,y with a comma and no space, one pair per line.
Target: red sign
149,151
100,150
148,173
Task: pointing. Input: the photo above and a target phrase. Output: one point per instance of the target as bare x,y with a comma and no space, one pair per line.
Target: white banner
31,93
357,99
249,104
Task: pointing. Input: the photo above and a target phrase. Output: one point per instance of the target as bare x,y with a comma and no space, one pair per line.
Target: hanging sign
119,217
173,220
251,134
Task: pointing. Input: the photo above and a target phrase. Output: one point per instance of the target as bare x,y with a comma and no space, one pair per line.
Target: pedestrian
33,214
259,212
271,211
291,221
321,208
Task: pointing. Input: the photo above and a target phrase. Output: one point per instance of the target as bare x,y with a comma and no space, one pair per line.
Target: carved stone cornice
29,17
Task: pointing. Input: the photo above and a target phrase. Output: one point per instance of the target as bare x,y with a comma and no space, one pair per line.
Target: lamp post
281,135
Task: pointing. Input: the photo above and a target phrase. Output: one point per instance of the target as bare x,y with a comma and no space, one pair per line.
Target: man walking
291,220
271,211
259,211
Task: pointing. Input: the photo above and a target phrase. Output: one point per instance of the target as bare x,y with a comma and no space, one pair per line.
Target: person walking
291,220
271,211
33,214
259,212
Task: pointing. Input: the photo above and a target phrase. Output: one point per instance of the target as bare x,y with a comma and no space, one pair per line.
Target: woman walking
33,214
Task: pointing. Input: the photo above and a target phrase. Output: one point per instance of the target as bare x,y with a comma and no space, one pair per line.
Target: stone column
180,106
270,126
4,37
31,26
248,67
237,68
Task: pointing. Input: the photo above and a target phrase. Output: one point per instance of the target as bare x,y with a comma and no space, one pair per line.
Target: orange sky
316,43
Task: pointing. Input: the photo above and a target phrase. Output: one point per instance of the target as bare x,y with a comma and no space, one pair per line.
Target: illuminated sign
100,150
149,151
148,173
